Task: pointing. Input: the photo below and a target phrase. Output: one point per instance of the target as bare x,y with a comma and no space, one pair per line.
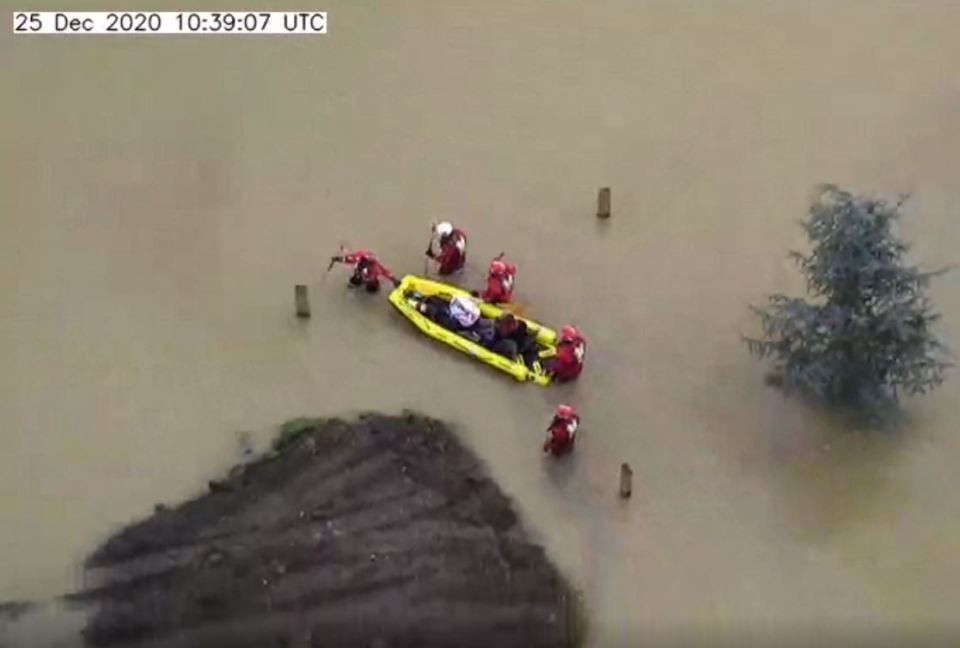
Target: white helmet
443,229
465,311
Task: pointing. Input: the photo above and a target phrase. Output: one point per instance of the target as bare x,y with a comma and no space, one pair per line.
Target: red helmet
498,268
569,333
565,412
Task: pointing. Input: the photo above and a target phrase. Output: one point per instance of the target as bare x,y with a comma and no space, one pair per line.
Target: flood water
160,197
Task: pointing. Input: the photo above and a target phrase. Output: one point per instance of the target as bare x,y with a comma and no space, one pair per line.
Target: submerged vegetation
865,335
378,531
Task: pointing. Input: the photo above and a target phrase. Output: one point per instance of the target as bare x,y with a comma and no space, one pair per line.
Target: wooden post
626,480
303,303
603,203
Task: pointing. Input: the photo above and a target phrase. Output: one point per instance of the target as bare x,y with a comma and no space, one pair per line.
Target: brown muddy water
159,198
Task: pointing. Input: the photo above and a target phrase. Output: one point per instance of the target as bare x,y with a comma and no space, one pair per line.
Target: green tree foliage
865,336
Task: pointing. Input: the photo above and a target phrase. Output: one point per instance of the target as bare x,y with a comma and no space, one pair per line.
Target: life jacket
453,252
563,433
500,285
569,360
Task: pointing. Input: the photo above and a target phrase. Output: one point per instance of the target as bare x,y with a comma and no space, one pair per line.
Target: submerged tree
866,336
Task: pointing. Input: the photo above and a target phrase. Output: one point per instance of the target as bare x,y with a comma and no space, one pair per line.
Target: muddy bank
380,532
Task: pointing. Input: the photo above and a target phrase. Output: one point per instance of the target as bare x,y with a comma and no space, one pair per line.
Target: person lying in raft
367,271
571,349
460,315
514,340
448,248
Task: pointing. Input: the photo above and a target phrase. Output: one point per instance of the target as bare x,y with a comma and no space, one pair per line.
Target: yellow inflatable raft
406,296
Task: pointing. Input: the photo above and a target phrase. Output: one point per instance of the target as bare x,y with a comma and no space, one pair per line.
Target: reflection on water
160,197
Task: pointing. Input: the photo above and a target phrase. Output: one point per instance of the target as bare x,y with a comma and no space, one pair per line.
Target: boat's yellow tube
546,337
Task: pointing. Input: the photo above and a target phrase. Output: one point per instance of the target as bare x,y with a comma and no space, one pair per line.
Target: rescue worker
571,349
367,270
500,280
451,248
562,432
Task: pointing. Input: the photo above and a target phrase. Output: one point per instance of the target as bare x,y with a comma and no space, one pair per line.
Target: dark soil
378,533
